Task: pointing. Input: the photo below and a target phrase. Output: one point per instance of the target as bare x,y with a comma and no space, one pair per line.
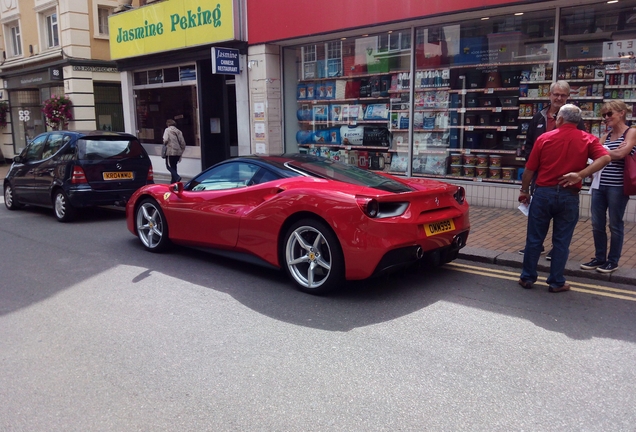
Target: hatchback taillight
78,176
151,175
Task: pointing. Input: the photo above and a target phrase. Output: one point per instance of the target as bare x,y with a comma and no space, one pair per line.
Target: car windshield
329,169
105,148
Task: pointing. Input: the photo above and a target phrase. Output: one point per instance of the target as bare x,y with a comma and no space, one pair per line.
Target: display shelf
582,60
536,82
343,123
583,80
619,71
624,100
327,101
349,77
485,90
495,109
621,86
466,178
493,65
417,130
422,110
497,128
346,147
419,90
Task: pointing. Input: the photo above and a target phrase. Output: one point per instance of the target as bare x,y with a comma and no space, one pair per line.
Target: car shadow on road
368,302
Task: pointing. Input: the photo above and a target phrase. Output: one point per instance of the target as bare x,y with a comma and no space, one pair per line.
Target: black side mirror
177,187
17,159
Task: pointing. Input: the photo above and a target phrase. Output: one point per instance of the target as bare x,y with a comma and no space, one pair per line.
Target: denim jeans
562,207
171,164
604,199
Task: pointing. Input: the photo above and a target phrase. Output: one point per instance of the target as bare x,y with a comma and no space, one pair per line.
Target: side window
34,149
53,145
263,176
227,176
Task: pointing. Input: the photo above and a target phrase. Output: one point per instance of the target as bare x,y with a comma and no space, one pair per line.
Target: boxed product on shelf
403,120
352,89
429,120
301,92
304,114
304,137
442,120
363,159
320,112
435,164
329,90
311,91
418,120
376,136
419,163
376,161
336,113
399,162
352,135
377,112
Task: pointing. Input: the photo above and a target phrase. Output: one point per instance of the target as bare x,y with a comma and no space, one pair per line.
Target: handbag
629,175
164,150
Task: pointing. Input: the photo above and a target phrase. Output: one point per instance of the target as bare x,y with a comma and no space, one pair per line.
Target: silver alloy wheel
61,205
308,257
8,196
149,225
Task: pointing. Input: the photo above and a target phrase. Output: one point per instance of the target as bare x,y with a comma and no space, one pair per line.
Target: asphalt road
98,335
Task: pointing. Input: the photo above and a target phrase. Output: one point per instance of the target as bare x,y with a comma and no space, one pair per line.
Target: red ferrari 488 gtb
322,221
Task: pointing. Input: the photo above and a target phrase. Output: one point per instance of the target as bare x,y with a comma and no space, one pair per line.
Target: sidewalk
496,235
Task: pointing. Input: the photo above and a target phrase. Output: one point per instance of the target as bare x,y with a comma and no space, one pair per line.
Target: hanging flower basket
57,111
4,109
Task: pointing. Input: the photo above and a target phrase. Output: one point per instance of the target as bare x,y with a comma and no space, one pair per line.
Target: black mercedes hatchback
68,170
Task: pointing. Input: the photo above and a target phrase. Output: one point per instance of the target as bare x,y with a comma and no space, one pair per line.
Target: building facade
437,89
54,48
167,54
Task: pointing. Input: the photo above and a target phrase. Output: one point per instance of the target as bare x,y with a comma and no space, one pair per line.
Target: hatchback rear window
94,149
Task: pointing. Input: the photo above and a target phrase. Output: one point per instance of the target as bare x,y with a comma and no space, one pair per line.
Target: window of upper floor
13,39
51,29
102,9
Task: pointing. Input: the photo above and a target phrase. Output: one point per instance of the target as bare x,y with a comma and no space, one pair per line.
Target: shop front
448,96
164,51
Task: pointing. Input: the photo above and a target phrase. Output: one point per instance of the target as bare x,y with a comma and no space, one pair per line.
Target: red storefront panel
271,20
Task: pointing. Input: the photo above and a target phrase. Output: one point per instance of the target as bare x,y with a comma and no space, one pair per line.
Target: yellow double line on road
575,286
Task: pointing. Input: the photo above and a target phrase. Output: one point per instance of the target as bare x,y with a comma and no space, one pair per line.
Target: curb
508,259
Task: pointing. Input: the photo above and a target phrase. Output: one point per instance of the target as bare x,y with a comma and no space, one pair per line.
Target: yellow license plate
124,175
439,227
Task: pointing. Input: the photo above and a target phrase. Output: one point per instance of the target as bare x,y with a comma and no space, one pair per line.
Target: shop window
171,75
476,85
596,56
187,73
140,78
155,76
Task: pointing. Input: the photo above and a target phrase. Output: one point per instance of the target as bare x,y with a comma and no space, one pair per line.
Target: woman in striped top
608,197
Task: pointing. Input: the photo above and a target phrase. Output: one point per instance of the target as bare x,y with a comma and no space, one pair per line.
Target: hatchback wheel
152,228
313,257
9,199
64,211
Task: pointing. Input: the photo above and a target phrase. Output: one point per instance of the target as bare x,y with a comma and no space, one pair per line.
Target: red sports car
324,222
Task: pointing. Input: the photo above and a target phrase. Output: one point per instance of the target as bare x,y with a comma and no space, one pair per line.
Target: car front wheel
313,257
64,211
9,199
152,228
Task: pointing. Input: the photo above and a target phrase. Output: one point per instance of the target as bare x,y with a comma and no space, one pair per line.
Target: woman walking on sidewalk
175,145
607,189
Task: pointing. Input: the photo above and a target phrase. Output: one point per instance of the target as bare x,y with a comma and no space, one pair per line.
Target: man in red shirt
559,158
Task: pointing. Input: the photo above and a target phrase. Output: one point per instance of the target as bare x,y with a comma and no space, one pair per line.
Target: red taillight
78,176
151,175
369,206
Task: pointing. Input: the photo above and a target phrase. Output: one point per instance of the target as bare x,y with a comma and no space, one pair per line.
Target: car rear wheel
64,211
313,257
152,228
9,200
